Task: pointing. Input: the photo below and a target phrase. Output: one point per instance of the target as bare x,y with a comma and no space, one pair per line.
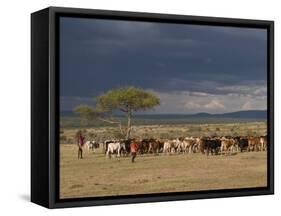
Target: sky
192,68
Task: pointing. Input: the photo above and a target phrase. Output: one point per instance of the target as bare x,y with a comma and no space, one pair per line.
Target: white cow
115,148
177,145
91,145
171,146
263,141
167,148
189,144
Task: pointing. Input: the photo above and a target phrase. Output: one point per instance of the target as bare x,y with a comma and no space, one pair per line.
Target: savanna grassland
96,175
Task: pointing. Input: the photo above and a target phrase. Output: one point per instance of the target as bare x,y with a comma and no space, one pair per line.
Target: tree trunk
129,117
114,122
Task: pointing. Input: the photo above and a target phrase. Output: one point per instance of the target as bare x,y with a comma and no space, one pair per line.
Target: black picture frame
45,107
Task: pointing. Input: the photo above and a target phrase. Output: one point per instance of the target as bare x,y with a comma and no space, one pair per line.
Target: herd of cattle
206,145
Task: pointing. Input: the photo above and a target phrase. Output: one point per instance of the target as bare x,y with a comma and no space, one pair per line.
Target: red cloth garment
81,140
134,147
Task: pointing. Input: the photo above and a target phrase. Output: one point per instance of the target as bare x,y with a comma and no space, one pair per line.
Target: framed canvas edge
53,154
162,198
39,175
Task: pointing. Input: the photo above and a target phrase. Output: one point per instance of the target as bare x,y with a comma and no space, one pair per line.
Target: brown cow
154,146
254,144
143,146
161,144
228,145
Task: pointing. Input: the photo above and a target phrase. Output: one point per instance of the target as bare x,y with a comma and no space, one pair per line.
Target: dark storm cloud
100,54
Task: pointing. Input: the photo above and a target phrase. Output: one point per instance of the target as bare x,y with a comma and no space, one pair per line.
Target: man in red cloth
80,143
134,149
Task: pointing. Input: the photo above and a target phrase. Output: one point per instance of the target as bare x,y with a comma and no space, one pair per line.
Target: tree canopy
125,99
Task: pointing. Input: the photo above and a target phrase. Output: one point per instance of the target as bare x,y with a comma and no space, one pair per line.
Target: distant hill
71,120
248,114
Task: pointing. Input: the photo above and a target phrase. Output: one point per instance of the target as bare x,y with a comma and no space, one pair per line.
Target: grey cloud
205,61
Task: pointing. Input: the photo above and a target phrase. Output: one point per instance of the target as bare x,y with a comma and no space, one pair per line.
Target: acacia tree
126,100
86,113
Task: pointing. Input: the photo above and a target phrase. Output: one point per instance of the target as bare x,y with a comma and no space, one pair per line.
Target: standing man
133,148
80,143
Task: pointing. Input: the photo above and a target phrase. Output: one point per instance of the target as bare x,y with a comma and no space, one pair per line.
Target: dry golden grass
97,176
